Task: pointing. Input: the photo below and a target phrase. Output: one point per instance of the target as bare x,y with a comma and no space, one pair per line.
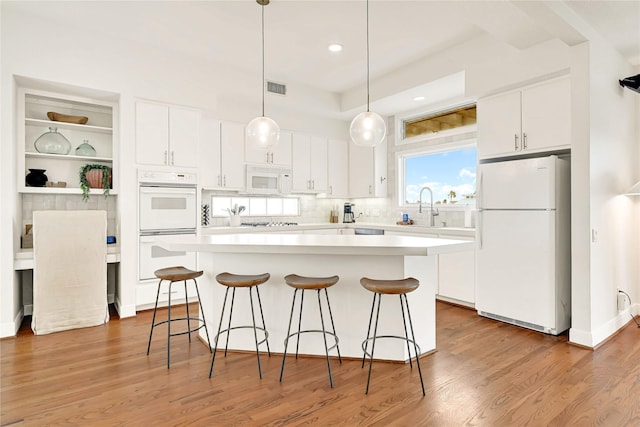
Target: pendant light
262,132
368,129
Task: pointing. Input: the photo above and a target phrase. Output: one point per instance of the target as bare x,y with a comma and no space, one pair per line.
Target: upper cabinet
368,170
279,155
166,135
531,120
221,162
338,168
309,164
56,153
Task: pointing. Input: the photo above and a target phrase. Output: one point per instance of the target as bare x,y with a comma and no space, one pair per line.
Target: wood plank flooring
485,373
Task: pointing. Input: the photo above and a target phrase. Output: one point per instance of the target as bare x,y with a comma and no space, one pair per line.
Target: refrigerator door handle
480,190
479,225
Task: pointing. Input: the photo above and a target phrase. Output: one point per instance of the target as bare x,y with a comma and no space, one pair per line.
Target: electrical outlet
621,301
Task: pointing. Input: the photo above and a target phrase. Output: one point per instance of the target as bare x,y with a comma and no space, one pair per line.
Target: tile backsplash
67,202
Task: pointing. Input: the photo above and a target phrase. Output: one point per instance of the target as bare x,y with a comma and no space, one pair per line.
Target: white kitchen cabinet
337,168
33,106
456,276
280,155
221,163
531,120
368,170
309,164
456,271
166,135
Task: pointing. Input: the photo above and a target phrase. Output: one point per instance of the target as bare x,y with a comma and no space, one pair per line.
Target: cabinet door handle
271,157
515,142
219,180
382,178
331,189
369,189
313,184
173,158
524,141
166,157
224,180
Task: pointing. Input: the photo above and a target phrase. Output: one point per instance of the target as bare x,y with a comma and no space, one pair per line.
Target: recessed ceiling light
418,98
335,47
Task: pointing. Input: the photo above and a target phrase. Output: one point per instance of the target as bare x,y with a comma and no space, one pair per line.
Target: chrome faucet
432,214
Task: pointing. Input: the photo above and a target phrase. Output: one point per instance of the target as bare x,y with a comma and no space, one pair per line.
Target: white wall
613,166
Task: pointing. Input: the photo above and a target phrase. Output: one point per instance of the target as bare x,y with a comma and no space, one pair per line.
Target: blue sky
442,172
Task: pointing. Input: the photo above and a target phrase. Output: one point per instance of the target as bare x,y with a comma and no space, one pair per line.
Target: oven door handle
168,190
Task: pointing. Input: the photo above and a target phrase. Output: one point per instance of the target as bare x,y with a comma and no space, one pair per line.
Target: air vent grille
278,88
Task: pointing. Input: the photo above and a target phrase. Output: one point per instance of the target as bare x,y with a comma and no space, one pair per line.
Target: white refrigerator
524,243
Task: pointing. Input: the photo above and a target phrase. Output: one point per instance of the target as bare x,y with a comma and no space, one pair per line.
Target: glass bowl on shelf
52,142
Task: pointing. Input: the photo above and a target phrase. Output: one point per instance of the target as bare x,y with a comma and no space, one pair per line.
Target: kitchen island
349,256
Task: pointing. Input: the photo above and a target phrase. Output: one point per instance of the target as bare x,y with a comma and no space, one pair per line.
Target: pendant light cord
262,82
367,56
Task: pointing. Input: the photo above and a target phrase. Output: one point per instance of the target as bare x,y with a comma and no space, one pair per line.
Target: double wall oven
168,205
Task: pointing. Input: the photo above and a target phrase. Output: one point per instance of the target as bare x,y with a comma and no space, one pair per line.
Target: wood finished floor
485,373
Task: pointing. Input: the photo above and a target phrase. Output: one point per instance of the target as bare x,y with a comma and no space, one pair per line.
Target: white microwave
267,180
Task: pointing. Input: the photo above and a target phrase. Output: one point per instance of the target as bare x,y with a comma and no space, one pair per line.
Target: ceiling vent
278,88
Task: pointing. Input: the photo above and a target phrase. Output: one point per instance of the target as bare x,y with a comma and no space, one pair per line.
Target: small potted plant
94,176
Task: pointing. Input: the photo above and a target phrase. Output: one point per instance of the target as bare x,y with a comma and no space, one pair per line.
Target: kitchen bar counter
467,232
349,256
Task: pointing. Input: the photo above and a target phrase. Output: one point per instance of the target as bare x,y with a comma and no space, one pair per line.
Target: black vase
36,178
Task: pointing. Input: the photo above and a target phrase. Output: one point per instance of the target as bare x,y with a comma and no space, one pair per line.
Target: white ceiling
298,32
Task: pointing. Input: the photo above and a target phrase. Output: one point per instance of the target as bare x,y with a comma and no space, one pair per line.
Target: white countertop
23,259
408,229
314,244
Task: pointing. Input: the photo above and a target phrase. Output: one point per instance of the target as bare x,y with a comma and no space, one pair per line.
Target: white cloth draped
70,270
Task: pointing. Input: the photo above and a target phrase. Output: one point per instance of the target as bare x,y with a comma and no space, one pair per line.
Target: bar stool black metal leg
186,300
264,325
169,328
373,344
299,323
406,335
153,321
233,299
286,340
333,326
215,350
415,345
324,336
366,342
255,333
204,320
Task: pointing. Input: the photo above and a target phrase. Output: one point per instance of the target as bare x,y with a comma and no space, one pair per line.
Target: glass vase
52,142
85,149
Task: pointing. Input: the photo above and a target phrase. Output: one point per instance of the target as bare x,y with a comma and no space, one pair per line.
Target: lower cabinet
456,277
456,272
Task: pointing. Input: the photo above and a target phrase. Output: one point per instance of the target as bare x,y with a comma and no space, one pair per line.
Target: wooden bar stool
301,283
233,281
177,274
390,287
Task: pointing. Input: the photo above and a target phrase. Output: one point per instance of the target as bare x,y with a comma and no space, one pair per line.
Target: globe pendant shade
263,132
368,129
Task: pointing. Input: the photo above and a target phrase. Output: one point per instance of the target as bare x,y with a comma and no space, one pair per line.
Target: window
449,172
255,206
437,122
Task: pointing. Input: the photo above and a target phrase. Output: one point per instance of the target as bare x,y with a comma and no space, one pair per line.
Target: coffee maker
348,213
